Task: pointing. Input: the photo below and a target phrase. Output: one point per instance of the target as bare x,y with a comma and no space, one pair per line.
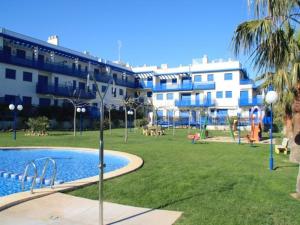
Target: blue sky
152,32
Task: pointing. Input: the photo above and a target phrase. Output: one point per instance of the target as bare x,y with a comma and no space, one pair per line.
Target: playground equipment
256,124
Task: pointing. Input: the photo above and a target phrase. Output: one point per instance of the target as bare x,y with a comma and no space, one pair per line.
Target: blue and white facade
217,88
43,73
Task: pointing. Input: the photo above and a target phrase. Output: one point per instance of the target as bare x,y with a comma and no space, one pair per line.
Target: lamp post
239,111
80,111
14,109
130,113
101,141
271,98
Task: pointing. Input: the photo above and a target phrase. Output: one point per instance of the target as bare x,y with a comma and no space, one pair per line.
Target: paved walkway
243,140
62,209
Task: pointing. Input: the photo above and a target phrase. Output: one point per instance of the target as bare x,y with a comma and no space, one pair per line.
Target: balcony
197,103
185,87
146,85
59,68
39,65
65,91
246,82
205,86
258,100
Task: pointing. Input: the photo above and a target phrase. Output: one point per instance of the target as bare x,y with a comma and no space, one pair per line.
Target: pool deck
135,163
65,209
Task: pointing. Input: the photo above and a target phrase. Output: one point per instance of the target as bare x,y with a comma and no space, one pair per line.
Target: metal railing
24,177
61,68
245,82
185,87
33,164
67,91
258,100
195,103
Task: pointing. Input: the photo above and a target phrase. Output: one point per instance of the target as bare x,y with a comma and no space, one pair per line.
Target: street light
13,108
101,141
271,98
239,111
130,113
80,111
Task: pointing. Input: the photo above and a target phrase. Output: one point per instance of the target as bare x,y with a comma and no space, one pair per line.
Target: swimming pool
71,165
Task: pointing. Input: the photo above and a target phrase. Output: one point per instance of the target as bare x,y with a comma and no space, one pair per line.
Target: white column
52,56
76,63
36,53
1,43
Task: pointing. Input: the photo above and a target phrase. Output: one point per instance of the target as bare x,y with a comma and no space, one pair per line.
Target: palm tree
271,42
283,86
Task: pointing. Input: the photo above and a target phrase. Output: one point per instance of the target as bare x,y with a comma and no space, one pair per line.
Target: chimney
205,59
53,39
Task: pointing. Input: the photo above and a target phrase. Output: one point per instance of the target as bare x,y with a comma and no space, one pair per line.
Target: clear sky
152,32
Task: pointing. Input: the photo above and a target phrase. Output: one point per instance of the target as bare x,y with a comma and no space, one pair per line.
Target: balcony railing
196,103
148,85
245,82
65,91
40,65
59,68
185,87
258,100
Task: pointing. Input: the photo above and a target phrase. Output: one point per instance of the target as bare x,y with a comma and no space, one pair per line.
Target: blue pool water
71,165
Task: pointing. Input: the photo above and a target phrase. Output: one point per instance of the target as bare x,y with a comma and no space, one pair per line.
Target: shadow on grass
221,189
286,166
60,134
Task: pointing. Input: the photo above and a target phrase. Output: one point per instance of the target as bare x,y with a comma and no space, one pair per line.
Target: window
27,76
121,92
159,97
228,76
44,101
81,85
170,96
219,94
115,76
21,54
174,81
210,77
228,94
103,88
27,100
96,71
114,91
10,99
94,88
95,104
197,78
10,74
149,94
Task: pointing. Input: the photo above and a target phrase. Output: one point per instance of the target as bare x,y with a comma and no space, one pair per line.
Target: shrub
141,122
38,126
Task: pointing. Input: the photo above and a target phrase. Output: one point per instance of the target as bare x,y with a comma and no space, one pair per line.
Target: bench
283,147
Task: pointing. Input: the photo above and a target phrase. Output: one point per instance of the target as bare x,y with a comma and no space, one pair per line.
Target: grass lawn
212,183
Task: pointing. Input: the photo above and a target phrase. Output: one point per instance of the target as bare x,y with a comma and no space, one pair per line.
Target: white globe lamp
20,107
271,97
11,107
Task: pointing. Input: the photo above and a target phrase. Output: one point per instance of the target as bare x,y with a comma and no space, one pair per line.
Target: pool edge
135,162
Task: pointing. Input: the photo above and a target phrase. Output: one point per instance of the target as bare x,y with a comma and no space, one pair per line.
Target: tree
270,40
74,99
283,85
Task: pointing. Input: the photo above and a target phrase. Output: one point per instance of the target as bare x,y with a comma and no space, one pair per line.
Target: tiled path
62,209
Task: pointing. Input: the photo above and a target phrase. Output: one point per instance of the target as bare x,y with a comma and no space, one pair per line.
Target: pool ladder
33,164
